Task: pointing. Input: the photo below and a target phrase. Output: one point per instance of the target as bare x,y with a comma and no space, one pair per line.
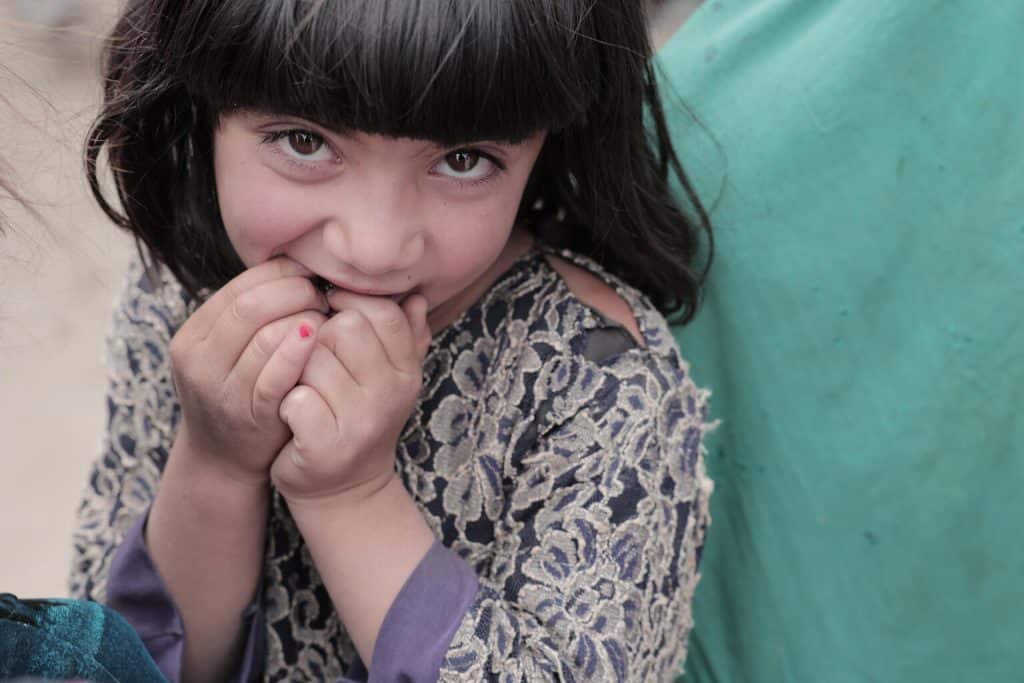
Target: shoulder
604,301
150,308
597,294
152,297
578,341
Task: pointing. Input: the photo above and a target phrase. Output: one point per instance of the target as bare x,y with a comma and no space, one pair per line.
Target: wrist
212,466
365,547
383,511
211,489
344,501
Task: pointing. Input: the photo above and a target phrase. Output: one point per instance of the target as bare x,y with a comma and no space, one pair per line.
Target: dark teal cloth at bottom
68,640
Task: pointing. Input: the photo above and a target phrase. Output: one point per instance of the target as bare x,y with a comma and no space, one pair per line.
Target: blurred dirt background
57,280
58,277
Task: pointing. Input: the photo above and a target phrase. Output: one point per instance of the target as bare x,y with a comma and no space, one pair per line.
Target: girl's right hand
236,358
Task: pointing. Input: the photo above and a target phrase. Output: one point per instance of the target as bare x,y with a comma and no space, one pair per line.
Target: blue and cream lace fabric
561,460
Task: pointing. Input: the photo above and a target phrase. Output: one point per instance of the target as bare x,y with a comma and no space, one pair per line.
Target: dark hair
451,71
6,190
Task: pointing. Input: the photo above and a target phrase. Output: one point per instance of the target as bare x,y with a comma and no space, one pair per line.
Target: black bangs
451,71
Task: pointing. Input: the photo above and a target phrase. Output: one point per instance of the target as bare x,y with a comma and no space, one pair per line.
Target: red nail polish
305,331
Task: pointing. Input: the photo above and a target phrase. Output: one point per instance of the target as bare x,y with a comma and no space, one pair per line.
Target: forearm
365,548
205,535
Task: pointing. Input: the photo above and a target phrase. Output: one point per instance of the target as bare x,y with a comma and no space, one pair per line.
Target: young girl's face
371,214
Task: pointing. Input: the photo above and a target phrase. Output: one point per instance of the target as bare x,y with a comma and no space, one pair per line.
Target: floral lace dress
561,460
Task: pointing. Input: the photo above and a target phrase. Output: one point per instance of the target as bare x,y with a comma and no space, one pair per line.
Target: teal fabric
863,336
69,639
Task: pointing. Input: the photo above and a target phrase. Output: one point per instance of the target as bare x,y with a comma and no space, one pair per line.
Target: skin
410,234
234,361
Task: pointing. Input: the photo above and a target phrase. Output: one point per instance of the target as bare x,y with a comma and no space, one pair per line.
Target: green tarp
863,336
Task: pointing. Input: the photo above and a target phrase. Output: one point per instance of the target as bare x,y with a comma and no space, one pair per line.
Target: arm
597,586
363,530
205,537
590,537
233,361
365,548
204,534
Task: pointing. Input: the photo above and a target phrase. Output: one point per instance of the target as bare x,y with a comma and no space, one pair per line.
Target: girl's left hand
355,395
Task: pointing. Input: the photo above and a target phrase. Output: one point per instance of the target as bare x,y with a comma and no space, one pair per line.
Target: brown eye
304,142
463,160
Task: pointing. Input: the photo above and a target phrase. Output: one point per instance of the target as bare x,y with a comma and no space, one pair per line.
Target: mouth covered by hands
355,394
236,358
282,379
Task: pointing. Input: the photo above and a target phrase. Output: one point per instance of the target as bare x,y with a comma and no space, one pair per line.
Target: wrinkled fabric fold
136,590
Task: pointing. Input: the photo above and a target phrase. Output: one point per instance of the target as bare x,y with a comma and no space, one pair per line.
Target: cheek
259,218
479,240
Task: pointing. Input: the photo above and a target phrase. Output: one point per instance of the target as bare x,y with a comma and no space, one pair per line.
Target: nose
375,238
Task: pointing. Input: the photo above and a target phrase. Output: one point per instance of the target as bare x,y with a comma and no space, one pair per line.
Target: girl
391,395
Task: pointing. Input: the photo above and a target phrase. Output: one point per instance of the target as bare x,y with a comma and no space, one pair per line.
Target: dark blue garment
70,639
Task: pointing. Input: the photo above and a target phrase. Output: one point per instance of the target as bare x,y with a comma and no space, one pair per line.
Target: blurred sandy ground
57,281
56,284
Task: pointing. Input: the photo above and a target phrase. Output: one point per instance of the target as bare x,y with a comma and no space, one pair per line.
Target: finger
265,342
311,421
415,308
389,322
352,340
239,323
282,370
325,373
274,269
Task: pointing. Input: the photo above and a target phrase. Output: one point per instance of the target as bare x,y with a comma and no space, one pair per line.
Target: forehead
434,69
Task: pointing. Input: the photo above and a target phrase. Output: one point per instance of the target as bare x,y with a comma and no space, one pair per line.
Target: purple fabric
136,590
411,645
423,619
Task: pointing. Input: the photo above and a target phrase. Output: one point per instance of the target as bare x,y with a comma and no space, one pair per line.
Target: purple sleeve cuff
136,590
418,629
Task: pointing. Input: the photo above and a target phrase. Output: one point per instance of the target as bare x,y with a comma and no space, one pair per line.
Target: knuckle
392,322
407,382
296,454
263,397
285,267
301,398
235,288
292,401
179,349
244,307
326,333
310,290
350,318
347,323
266,340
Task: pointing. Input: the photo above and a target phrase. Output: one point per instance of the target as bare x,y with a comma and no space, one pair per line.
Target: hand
355,395
236,358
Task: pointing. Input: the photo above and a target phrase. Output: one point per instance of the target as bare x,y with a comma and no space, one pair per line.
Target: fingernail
305,331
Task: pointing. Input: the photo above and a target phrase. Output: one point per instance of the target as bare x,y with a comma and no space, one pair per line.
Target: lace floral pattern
573,485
